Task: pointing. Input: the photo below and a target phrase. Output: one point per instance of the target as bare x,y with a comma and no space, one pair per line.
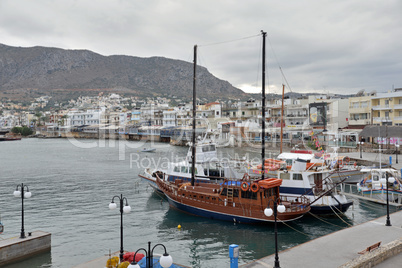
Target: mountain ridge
48,68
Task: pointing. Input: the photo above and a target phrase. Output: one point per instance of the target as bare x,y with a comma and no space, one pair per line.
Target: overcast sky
321,45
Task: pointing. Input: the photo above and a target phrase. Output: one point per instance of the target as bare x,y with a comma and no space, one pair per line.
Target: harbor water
73,181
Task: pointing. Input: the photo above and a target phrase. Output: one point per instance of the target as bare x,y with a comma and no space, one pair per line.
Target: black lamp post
125,209
396,153
165,260
268,212
20,192
388,222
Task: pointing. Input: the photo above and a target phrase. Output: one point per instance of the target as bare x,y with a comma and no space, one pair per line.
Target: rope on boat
294,229
325,220
337,214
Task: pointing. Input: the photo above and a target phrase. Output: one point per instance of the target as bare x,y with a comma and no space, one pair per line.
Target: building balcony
398,118
398,107
382,119
359,122
381,107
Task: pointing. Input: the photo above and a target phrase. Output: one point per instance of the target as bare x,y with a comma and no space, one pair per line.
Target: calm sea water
72,183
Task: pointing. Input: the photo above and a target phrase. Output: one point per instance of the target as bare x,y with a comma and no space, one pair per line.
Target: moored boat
374,184
148,150
238,201
313,181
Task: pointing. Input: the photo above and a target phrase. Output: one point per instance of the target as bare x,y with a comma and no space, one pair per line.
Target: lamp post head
134,264
27,194
126,209
17,193
268,212
391,179
166,260
112,205
281,208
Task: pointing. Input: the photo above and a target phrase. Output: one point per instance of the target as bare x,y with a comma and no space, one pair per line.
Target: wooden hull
227,214
206,202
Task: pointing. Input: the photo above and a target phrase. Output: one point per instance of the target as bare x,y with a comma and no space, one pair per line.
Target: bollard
234,256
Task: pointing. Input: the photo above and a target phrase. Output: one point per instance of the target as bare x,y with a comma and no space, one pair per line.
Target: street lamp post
165,260
361,148
19,192
396,153
123,209
268,212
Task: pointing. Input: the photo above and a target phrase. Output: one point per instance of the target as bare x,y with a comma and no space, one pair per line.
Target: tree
24,131
38,115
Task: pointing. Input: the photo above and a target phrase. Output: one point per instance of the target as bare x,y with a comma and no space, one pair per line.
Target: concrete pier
341,249
17,249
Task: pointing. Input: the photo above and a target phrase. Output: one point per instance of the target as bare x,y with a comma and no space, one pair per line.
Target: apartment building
360,111
387,108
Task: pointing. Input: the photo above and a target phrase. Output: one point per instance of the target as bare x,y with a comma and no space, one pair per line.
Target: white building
79,118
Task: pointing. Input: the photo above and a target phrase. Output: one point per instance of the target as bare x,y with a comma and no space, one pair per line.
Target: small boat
148,150
374,184
312,181
342,169
10,138
238,201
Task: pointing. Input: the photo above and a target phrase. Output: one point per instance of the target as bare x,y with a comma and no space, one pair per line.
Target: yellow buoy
179,226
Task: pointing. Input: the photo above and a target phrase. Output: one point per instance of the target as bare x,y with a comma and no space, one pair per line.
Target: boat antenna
264,34
194,119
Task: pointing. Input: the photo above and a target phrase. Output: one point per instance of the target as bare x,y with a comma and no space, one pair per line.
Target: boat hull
151,182
215,215
333,209
205,200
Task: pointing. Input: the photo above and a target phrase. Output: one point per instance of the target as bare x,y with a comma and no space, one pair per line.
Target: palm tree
38,116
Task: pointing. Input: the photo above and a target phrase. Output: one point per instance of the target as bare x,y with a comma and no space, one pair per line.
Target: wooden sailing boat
241,201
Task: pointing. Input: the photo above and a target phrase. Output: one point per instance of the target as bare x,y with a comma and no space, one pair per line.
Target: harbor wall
376,256
17,249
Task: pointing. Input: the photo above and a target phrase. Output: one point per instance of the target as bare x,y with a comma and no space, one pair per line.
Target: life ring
246,177
245,186
340,164
254,187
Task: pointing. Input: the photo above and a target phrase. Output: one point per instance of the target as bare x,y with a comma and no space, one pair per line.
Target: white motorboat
374,184
311,180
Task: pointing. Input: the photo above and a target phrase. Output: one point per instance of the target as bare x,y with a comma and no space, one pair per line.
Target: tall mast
263,106
194,115
283,95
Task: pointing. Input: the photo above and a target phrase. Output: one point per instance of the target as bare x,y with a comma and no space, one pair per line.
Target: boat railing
292,204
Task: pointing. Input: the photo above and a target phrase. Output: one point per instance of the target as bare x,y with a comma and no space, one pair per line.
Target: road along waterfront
73,181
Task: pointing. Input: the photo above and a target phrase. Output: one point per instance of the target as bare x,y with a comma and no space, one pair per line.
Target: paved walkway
375,157
341,247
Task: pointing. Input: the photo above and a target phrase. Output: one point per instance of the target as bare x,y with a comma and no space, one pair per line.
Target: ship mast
263,106
283,95
194,119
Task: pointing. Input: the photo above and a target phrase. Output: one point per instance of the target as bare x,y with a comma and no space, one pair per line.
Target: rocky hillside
59,70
